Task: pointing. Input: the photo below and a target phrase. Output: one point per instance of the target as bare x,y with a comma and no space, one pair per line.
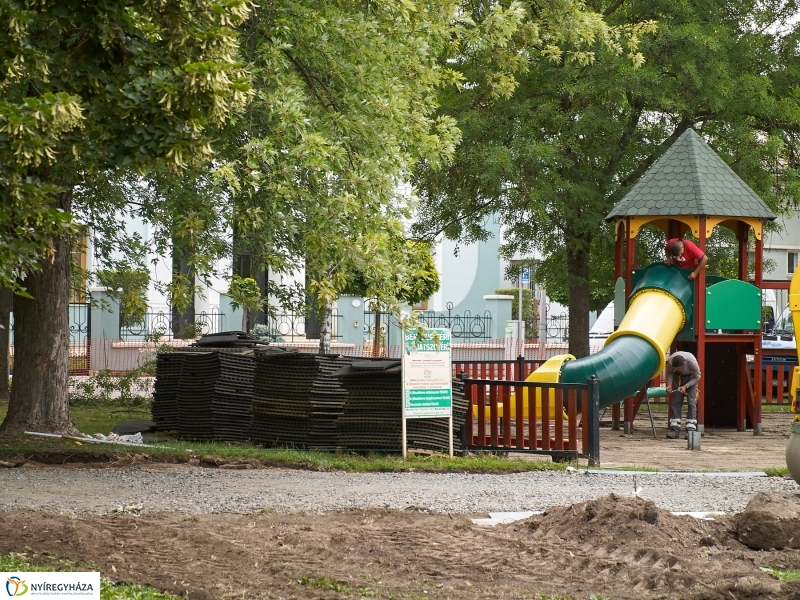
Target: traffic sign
525,276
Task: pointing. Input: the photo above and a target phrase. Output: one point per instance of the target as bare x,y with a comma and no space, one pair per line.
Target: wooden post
619,248
742,383
759,276
743,233
700,330
629,259
630,247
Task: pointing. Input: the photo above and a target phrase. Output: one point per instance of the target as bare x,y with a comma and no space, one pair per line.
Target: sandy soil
722,449
623,548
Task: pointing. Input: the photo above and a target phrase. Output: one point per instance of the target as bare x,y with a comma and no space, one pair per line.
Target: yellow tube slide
655,316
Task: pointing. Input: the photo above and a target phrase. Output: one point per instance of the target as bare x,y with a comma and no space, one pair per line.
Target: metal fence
463,327
159,325
558,328
537,418
294,327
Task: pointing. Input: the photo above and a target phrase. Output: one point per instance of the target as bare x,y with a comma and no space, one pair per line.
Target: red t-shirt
691,254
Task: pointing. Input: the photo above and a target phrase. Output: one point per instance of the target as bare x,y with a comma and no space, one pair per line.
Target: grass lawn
100,419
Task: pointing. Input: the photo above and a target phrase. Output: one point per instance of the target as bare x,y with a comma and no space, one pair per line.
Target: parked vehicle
782,334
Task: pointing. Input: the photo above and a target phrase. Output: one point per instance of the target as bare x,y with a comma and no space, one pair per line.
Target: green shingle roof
691,179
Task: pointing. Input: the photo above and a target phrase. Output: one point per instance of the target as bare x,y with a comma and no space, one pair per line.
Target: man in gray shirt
683,373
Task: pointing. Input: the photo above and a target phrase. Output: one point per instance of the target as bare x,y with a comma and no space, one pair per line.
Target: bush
265,333
130,390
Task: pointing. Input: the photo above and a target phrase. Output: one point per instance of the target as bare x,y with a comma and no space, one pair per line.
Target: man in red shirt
686,255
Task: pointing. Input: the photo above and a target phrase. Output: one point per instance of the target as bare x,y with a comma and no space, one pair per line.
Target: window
794,258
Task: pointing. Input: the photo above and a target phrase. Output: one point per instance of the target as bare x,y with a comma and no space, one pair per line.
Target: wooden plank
481,393
559,420
532,417
505,392
519,404
469,396
493,421
585,421
572,423
768,383
545,417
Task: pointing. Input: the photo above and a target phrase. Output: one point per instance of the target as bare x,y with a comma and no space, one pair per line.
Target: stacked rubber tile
295,400
372,414
432,434
372,417
165,390
215,395
327,398
228,339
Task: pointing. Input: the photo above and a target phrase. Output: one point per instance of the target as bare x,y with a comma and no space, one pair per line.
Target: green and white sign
427,377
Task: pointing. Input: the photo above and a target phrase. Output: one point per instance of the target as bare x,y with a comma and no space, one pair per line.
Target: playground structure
690,189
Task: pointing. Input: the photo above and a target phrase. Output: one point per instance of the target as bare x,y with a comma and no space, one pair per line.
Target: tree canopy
554,156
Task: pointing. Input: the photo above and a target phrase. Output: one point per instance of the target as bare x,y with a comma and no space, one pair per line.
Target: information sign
427,377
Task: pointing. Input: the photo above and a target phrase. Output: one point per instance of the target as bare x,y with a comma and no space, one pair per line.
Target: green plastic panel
733,305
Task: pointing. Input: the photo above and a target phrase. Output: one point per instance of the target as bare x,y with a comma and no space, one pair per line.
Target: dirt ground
614,548
721,449
622,548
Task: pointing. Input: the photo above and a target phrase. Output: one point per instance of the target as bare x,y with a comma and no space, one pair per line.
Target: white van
782,334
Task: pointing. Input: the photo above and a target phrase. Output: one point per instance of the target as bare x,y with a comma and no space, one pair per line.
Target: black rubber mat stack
372,414
229,339
327,398
432,434
165,390
295,401
215,395
196,394
232,406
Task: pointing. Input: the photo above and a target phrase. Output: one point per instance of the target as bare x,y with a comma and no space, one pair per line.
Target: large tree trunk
578,281
5,329
39,400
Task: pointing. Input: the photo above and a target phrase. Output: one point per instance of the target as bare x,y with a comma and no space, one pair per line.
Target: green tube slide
622,367
632,358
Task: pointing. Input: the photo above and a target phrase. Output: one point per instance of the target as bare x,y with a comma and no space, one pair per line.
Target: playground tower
690,189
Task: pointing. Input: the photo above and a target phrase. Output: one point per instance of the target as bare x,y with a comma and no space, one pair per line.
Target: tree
554,156
86,87
244,294
409,277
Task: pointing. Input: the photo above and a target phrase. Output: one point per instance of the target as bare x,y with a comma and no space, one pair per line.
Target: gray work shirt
689,368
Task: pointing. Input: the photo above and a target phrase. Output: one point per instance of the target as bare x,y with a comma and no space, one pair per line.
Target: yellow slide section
656,316
794,306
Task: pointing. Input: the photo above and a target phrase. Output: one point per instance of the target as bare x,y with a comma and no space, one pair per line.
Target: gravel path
201,490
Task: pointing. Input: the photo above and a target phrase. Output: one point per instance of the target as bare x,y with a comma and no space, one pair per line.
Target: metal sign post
427,378
525,277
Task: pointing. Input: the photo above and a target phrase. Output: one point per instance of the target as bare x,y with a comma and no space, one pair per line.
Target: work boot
673,434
